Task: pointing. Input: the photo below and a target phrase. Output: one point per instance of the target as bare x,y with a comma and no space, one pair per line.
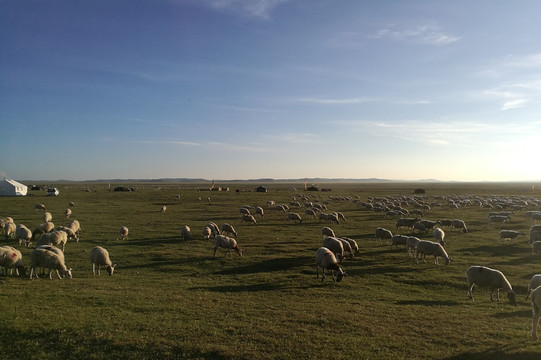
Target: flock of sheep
50,241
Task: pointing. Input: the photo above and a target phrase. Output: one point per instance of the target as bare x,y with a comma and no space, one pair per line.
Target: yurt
10,187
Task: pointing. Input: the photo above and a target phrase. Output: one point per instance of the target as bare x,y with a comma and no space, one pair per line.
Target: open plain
172,299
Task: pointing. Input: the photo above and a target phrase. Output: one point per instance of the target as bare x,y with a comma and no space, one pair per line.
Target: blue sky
243,89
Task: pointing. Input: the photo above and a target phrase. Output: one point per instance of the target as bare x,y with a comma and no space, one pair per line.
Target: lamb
9,230
11,258
185,232
294,216
459,224
439,236
222,241
57,237
383,234
491,278
23,234
509,235
327,232
425,247
535,281
229,229
335,246
42,257
100,257
536,309
124,232
326,260
248,218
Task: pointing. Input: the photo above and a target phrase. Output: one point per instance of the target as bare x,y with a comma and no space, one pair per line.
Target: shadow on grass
496,354
279,264
427,303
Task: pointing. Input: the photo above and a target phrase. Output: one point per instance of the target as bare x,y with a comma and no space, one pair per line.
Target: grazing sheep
335,246
310,212
11,258
69,231
259,211
229,229
23,234
509,235
534,236
75,227
42,229
214,228
399,240
491,278
124,232
411,245
164,209
42,257
327,232
425,247
340,216
67,213
536,309
406,222
326,260
47,217
439,236
57,237
71,204
420,227
353,244
535,281
244,211
429,224
294,217
100,257
459,224
40,207
535,247
383,234
329,217
185,232
248,218
207,233
9,230
347,247
222,241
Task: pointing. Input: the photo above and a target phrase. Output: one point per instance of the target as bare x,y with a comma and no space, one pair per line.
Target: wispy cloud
426,34
294,138
248,8
513,104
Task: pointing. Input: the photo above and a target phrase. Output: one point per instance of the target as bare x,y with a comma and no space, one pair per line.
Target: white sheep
207,233
23,234
383,234
425,247
347,247
42,257
185,232
411,245
459,224
335,246
163,209
327,232
509,235
353,244
222,241
124,232
259,211
439,236
9,229
11,258
535,281
57,237
244,211
229,229
100,257
47,217
536,309
491,278
310,212
294,216
326,260
42,229
248,218
76,227
214,228
67,213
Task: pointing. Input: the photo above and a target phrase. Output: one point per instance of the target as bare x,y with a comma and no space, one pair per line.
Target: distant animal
185,232
124,232
229,229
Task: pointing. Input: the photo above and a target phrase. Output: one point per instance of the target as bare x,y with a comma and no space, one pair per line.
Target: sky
283,89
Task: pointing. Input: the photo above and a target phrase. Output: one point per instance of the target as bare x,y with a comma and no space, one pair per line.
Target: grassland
171,299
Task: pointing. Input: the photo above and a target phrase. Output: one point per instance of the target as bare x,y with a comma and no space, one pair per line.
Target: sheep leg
470,289
215,248
93,269
535,321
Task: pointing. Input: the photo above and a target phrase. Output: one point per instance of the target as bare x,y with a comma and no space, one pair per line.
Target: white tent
10,187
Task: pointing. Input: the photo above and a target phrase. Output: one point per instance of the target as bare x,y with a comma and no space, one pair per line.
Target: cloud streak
248,8
426,34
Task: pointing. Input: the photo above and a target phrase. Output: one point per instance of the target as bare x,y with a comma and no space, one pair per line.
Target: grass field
171,299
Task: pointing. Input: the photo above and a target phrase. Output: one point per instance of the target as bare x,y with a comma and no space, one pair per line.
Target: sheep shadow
240,288
494,251
271,265
427,303
496,354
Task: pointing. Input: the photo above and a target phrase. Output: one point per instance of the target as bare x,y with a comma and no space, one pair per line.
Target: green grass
173,300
